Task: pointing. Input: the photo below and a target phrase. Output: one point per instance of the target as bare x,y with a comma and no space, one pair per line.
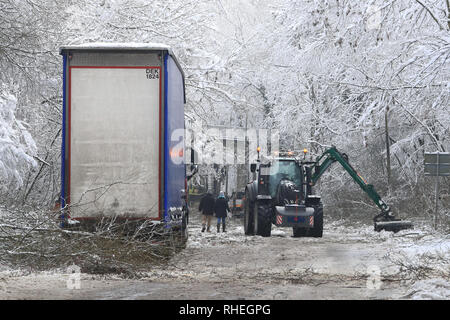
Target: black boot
218,227
203,228
223,227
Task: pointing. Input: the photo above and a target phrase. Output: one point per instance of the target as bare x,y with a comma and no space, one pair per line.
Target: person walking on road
221,209
206,207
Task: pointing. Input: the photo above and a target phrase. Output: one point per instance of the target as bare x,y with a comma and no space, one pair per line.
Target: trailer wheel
317,231
249,228
184,226
263,221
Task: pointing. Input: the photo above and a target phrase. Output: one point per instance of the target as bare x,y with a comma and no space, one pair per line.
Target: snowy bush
17,146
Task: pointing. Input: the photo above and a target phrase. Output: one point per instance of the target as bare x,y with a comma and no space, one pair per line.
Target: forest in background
371,77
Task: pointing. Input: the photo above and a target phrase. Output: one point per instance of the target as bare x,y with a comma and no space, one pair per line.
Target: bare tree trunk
44,162
448,13
388,150
431,14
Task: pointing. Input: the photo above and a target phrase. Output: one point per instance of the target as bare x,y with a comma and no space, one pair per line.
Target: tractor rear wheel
249,228
263,219
317,231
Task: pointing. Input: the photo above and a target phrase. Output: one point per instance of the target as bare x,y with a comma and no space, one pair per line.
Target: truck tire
263,220
249,228
317,231
184,226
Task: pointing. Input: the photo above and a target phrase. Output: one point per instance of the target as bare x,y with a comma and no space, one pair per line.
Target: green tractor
281,193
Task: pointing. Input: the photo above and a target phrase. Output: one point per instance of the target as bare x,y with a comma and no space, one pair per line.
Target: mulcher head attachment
394,226
387,221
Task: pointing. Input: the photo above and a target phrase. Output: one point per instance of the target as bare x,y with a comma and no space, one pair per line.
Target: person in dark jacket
207,208
221,208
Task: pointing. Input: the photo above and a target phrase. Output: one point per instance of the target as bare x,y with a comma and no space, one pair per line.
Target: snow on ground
420,256
413,264
432,289
421,240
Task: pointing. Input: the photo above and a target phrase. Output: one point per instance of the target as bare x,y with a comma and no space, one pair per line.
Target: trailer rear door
114,137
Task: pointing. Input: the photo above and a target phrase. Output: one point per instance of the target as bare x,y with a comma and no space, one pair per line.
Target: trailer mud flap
175,217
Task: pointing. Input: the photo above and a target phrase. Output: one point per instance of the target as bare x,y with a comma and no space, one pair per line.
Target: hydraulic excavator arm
385,220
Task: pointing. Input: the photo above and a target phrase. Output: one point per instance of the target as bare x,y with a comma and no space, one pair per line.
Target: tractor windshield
284,170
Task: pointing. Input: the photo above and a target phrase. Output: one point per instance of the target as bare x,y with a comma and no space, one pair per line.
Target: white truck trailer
123,133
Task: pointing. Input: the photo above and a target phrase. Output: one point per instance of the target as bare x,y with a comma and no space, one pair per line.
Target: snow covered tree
368,77
17,147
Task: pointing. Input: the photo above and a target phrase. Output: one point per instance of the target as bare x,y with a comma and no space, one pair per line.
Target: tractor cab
281,173
282,177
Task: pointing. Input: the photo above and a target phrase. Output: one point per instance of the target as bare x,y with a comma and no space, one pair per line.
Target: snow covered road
349,262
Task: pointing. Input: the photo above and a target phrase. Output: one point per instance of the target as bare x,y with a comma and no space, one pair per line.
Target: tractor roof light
258,149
